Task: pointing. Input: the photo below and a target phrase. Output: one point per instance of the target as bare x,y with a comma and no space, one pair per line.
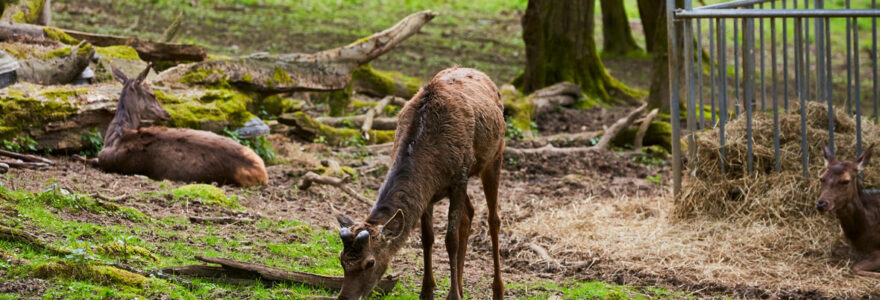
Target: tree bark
651,13
560,47
327,70
658,96
618,38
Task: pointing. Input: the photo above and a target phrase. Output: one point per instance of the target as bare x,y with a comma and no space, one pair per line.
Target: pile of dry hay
778,197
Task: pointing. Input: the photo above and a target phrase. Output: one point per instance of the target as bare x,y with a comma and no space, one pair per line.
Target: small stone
4,168
253,128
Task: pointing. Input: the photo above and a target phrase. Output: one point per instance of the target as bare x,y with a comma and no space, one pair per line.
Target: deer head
138,98
839,182
367,252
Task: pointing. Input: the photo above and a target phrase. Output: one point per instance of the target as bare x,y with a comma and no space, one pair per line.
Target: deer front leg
490,179
427,246
868,266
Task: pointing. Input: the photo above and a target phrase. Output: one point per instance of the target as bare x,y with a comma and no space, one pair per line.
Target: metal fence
793,44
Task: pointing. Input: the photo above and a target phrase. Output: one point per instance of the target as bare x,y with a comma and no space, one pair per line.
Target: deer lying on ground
453,129
859,213
171,153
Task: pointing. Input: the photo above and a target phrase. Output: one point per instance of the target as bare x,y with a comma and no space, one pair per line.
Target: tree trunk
560,47
615,29
651,13
658,96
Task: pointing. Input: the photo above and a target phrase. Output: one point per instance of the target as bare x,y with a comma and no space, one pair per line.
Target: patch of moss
385,82
117,250
659,134
224,107
276,105
62,93
209,194
518,110
63,52
32,14
56,34
339,136
359,41
87,272
195,77
338,100
85,49
280,76
20,111
123,52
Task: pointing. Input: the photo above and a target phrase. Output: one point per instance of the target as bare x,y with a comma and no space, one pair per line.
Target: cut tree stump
323,71
244,271
147,50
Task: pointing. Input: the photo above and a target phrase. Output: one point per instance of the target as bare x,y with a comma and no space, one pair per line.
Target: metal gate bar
811,52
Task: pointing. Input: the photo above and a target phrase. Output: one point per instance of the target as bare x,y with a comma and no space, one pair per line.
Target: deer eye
370,264
843,182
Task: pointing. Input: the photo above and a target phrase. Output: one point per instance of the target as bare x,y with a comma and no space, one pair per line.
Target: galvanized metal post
828,90
673,98
799,36
749,80
722,71
857,95
776,155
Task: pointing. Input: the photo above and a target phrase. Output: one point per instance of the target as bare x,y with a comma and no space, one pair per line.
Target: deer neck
857,217
124,120
418,187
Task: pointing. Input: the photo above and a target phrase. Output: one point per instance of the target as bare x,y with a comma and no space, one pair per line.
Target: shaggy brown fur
172,153
859,213
451,130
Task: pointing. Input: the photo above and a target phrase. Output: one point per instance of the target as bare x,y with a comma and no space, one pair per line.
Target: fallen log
305,127
219,220
25,157
147,50
382,123
238,270
27,165
323,71
340,183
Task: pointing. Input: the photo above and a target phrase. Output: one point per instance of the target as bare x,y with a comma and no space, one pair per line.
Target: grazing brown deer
171,153
859,213
453,129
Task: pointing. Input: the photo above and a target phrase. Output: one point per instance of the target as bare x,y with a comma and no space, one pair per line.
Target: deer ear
118,74
865,158
394,227
344,221
144,73
828,156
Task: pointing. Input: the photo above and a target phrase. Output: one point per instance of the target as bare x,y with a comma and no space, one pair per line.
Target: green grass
591,290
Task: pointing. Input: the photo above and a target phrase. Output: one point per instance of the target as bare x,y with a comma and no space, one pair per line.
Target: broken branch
248,271
359,120
323,71
219,220
25,157
368,121
339,183
643,129
17,235
27,165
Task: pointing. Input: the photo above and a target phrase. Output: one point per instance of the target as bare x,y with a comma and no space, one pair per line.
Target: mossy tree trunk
560,47
615,29
658,97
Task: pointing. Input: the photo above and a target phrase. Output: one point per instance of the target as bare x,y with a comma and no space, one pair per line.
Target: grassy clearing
96,235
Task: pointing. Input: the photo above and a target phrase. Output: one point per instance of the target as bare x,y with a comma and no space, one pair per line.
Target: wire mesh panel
757,60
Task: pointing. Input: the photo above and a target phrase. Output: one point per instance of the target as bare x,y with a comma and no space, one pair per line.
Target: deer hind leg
464,232
427,245
457,211
869,266
490,178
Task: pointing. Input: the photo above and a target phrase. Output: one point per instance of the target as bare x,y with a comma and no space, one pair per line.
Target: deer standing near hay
453,129
171,153
859,213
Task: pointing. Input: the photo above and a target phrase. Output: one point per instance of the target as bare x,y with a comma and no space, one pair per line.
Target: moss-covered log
377,83
323,71
560,47
89,272
57,117
149,51
305,127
